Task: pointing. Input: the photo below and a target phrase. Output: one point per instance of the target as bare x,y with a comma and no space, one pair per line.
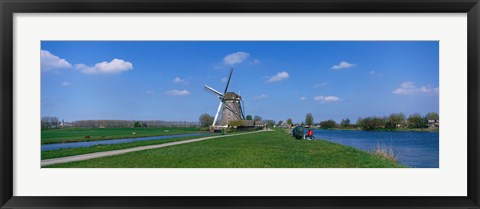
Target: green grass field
106,147
92,134
274,149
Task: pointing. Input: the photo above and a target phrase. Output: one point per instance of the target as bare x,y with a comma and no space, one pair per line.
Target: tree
360,122
289,121
279,123
257,118
205,120
345,123
431,116
328,124
309,119
269,123
371,123
48,122
416,121
395,119
249,117
137,124
390,125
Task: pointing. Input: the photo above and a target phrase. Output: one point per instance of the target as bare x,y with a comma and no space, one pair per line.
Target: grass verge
106,147
66,135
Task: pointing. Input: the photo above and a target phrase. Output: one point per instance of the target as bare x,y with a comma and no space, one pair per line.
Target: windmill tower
230,105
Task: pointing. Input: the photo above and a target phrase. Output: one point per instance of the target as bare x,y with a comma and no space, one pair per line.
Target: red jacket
310,133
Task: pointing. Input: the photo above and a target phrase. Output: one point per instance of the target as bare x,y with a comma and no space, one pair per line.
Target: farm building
433,123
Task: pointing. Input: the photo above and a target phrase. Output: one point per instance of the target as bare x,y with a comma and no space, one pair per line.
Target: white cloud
224,79
65,84
303,98
372,72
326,99
409,88
255,61
235,58
48,61
177,92
263,96
114,66
150,92
278,77
178,80
342,65
318,85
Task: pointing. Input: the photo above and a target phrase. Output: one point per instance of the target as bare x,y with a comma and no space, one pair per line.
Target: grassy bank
92,134
275,149
106,147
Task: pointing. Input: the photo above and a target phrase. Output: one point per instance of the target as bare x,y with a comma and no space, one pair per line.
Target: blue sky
163,80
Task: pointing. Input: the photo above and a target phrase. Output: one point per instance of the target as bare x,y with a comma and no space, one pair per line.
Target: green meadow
105,147
66,135
270,149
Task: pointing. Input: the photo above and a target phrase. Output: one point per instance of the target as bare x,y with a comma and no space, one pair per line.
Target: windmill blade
229,77
214,91
216,115
243,111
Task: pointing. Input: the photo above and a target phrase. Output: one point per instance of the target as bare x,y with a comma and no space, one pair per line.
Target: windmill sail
214,91
216,114
228,82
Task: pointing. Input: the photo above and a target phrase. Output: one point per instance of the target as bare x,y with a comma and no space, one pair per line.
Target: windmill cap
231,95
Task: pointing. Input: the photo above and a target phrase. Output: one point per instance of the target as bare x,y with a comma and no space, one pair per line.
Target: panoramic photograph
239,104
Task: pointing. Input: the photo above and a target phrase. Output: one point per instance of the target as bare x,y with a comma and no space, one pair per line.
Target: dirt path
133,149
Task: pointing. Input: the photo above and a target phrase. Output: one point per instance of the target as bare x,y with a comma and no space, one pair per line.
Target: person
309,134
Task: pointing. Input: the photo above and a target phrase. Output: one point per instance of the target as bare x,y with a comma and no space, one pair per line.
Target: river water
46,147
413,149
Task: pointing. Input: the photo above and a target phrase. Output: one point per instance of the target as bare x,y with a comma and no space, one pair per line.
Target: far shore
395,130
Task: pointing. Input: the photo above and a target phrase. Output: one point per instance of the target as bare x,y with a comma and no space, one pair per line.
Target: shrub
235,123
384,152
328,124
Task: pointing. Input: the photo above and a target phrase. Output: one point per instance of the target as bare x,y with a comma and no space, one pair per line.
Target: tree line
398,120
393,121
48,122
131,123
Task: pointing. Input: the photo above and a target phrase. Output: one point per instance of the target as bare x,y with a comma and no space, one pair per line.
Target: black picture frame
10,7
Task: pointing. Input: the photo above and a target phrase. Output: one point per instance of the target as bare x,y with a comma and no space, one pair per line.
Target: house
66,124
248,123
433,123
259,124
285,125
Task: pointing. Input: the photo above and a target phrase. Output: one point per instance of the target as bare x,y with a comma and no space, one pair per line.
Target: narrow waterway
47,147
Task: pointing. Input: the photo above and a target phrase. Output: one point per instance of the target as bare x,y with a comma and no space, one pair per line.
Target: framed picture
194,104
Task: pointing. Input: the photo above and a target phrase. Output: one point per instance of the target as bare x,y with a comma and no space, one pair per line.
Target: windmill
230,105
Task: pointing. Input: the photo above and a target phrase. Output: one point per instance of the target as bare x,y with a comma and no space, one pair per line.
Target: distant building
248,123
433,123
259,124
67,125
